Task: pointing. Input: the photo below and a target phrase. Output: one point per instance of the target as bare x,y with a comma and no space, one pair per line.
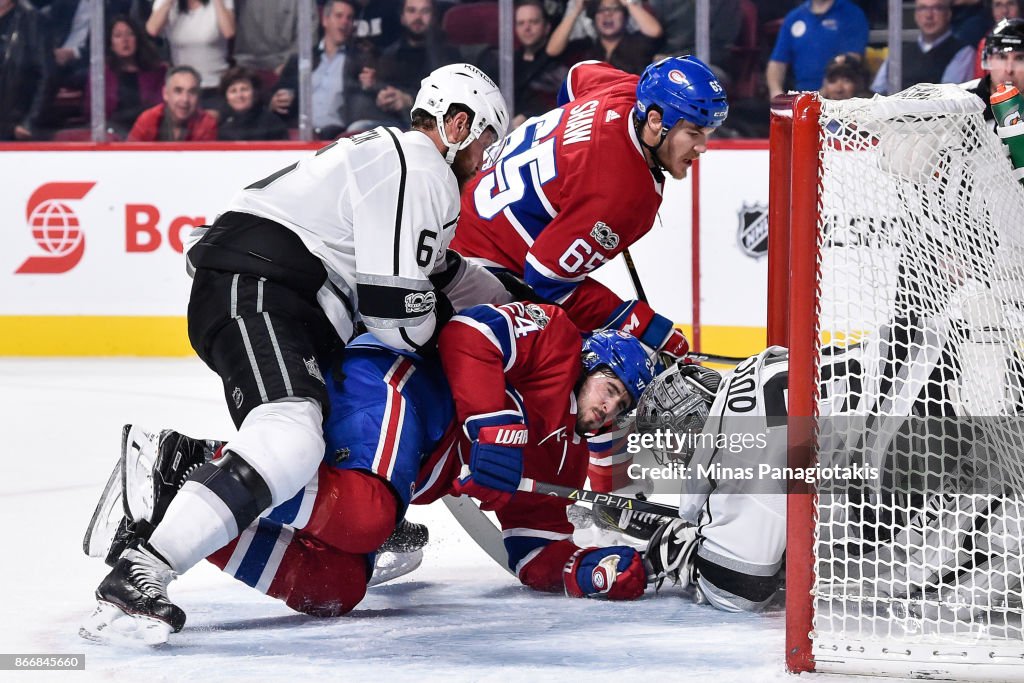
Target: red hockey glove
654,330
676,345
615,573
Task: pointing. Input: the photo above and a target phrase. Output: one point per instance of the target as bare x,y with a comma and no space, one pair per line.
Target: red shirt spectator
179,118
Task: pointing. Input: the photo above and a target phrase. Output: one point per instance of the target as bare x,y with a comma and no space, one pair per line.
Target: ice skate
391,565
132,601
406,538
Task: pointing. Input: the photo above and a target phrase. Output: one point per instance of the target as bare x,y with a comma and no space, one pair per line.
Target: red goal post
897,229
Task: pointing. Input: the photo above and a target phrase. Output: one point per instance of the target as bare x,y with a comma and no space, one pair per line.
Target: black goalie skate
150,471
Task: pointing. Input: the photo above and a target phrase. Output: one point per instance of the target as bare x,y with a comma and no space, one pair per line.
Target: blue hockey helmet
681,88
624,355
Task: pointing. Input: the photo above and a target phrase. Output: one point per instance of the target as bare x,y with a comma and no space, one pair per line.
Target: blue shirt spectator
811,35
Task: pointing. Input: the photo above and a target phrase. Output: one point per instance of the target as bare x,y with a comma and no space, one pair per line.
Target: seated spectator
538,76
330,58
24,69
1001,9
937,56
179,118
134,74
386,92
244,117
845,77
678,20
630,52
810,36
267,34
198,32
1003,60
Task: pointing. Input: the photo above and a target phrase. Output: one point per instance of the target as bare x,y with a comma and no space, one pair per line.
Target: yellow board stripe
94,335
87,335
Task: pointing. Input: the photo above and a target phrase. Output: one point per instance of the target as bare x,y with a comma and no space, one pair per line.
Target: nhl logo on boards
752,234
420,302
313,369
604,235
237,397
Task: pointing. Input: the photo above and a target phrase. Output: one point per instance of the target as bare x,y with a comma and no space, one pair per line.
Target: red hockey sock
355,512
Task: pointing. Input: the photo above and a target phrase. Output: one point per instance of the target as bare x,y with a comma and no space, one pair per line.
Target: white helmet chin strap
452,147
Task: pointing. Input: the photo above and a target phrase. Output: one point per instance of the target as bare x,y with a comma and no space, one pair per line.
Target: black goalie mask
678,401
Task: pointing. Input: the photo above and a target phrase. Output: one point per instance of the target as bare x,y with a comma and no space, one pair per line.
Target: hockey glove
671,553
518,289
615,573
655,331
495,460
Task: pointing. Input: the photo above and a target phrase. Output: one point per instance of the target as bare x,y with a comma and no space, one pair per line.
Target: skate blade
389,566
109,625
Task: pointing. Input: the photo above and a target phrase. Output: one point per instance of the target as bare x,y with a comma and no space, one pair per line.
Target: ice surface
459,616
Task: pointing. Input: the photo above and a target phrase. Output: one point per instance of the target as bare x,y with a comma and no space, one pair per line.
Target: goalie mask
466,85
678,400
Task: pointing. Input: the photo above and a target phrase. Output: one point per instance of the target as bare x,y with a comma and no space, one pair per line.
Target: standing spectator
1003,60
134,74
179,118
68,25
24,69
329,66
1001,9
267,34
677,18
845,77
538,76
244,117
378,21
402,65
198,32
937,56
630,52
810,36
971,20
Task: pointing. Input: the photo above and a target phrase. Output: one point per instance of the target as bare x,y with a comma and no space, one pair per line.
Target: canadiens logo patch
313,369
420,302
676,76
604,235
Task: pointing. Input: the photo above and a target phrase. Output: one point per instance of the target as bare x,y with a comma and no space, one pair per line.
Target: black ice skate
407,537
132,601
151,470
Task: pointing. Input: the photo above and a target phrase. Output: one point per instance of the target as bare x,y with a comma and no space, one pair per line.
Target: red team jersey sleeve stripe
394,417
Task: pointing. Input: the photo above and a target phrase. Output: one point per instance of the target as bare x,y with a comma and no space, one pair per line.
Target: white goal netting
921,375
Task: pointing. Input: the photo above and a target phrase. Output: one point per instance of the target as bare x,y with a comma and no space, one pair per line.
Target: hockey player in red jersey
527,392
574,187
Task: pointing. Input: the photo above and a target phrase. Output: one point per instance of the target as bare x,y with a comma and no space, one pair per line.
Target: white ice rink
458,617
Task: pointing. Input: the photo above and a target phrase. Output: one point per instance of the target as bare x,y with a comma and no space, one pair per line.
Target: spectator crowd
194,70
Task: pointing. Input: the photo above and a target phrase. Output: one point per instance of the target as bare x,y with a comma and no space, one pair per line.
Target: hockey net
896,279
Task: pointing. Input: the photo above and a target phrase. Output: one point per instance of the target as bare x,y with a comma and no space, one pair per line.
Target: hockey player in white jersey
356,234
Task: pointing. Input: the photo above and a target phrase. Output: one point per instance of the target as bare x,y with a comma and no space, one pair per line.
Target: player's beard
463,168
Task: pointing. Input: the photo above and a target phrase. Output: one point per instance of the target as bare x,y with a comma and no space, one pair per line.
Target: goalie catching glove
495,460
615,573
654,331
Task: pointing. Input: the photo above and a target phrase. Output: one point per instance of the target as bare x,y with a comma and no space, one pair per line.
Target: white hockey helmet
470,87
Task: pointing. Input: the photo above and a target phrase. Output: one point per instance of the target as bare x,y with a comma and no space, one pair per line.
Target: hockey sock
216,501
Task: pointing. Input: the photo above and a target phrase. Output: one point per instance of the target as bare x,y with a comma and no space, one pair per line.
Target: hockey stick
638,287
479,527
610,499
